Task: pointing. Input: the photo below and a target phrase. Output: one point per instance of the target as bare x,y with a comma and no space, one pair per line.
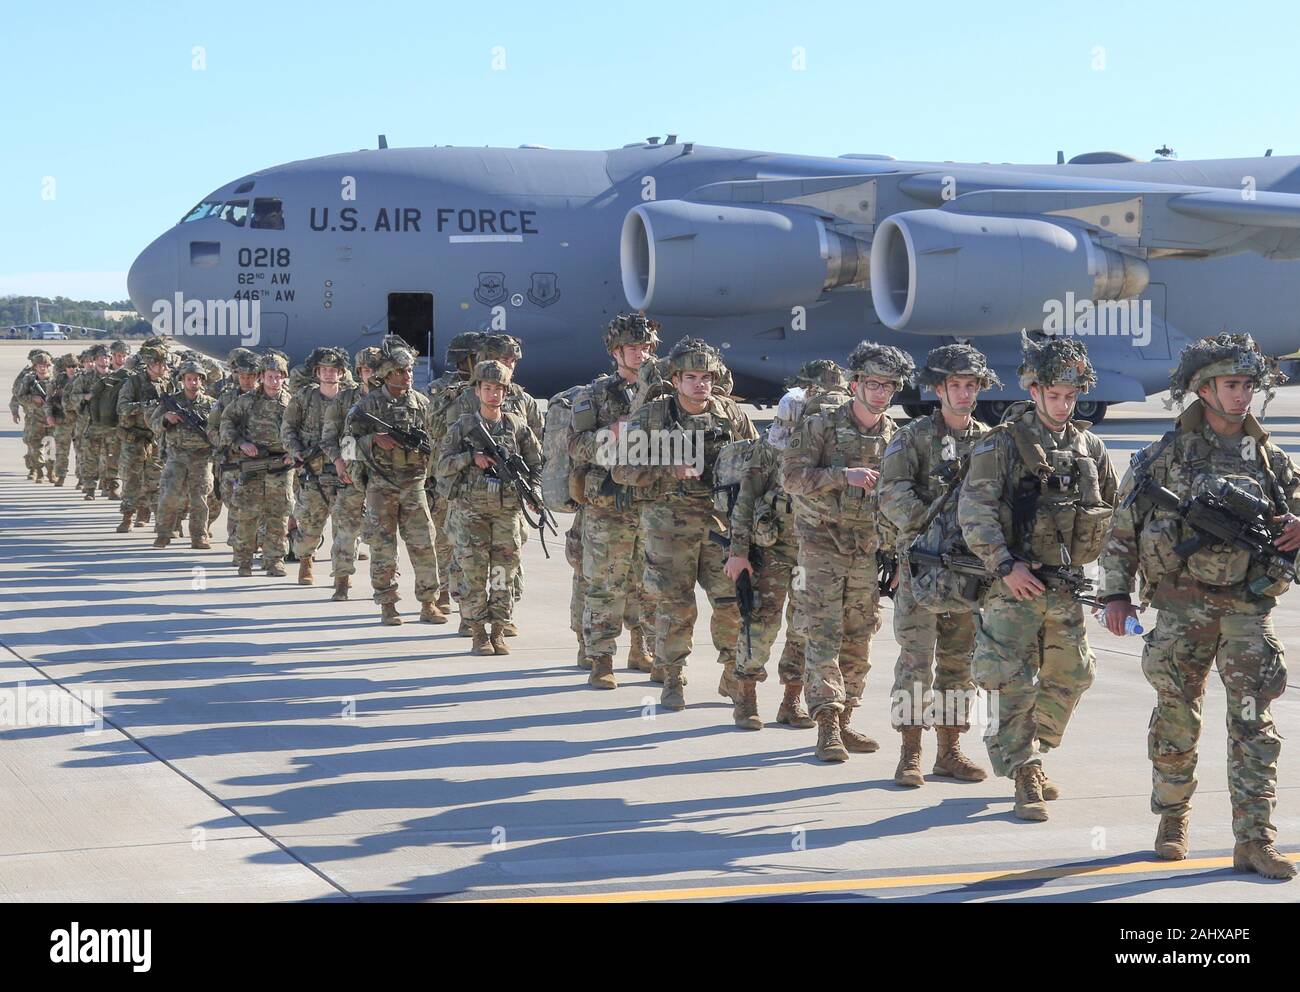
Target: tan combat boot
429,613
508,629
89,495
745,712
444,599
482,643
466,629
1171,838
583,661
729,685
125,526
161,541
498,639
388,615
58,480
305,576
1263,858
1030,804
908,772
657,673
1050,789
602,674
342,584
114,490
792,711
674,695
638,658
951,763
245,568
275,567
200,542
854,741
143,516
829,745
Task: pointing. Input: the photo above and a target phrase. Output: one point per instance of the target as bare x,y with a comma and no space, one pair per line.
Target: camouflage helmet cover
273,361
194,367
497,346
820,374
883,361
1223,354
463,346
369,357
1055,361
491,371
631,328
956,359
693,355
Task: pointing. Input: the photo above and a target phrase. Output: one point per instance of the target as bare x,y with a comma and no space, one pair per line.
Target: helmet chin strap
1232,418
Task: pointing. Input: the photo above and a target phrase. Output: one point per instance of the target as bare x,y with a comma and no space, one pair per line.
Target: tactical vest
607,399
849,506
475,487
103,397
678,436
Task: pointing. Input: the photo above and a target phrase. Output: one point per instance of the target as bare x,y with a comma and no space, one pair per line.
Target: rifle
887,569
1228,516
511,468
979,578
311,477
416,439
733,493
744,598
192,420
265,461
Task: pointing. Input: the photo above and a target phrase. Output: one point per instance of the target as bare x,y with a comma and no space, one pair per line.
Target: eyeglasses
872,386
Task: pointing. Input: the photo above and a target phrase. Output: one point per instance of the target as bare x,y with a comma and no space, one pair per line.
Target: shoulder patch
894,446
986,445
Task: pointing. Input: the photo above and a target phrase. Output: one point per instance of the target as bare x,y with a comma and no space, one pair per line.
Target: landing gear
917,410
990,411
1093,411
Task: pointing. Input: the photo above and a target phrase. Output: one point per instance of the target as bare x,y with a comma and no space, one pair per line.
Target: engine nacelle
720,259
940,272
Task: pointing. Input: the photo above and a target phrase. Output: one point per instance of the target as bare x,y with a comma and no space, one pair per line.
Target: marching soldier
250,432
677,513
75,398
62,418
95,464
613,546
484,513
302,436
187,472
141,472
395,478
831,467
1039,491
32,394
920,466
1215,605
349,507
244,376
118,354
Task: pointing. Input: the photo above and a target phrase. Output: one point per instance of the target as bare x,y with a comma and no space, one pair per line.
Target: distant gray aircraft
774,258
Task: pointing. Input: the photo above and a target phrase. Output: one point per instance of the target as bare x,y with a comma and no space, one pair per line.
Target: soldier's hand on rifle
1023,583
289,460
249,448
49,422
385,441
1117,613
736,566
1290,537
172,418
341,469
863,478
898,574
483,461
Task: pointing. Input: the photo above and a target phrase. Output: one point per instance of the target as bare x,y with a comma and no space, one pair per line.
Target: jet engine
942,272
724,259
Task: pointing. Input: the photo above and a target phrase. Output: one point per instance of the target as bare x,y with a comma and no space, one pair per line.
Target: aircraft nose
153,275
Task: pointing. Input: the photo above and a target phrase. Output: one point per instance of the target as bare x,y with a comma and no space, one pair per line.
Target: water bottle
1131,625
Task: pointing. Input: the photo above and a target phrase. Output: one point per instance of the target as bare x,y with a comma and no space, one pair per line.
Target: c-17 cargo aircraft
774,258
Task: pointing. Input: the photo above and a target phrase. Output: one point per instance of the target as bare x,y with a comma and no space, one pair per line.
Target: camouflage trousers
261,508
224,488
34,434
347,514
78,449
578,583
97,467
313,507
679,554
391,509
141,475
842,608
442,544
1177,660
486,537
1034,654
613,572
62,448
934,656
771,584
186,484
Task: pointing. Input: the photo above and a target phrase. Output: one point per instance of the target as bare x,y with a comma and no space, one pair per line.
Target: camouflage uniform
141,471
187,472
610,576
395,493
1034,652
676,517
484,514
1207,610
100,468
75,398
263,499
460,359
35,409
224,480
65,417
349,509
113,441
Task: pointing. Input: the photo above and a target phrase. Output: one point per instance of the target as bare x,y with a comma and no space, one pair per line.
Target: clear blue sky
104,99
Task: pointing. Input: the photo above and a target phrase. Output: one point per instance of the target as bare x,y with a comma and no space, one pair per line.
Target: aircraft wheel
1092,410
990,411
916,410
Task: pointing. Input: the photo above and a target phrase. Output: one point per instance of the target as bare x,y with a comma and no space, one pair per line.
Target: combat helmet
1055,361
273,361
693,355
956,359
491,371
495,347
883,361
1223,354
191,366
822,375
325,355
462,350
631,328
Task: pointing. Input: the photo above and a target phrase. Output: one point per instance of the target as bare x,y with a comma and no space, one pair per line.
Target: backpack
103,398
557,467
728,472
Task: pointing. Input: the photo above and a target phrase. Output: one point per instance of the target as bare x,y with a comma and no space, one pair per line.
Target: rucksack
103,398
728,472
557,466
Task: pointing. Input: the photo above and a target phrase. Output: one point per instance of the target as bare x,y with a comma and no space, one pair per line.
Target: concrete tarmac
251,740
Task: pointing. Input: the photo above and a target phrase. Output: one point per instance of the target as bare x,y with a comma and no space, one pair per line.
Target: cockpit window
235,212
202,210
268,214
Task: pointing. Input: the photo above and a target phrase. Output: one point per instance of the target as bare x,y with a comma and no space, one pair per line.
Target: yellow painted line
886,882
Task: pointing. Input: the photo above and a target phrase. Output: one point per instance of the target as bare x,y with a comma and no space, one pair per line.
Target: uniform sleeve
291,427
128,403
801,471
980,501
584,445
758,479
1284,471
452,456
330,423
231,434
1119,556
154,418
1106,477
639,476
745,428
530,449
899,503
